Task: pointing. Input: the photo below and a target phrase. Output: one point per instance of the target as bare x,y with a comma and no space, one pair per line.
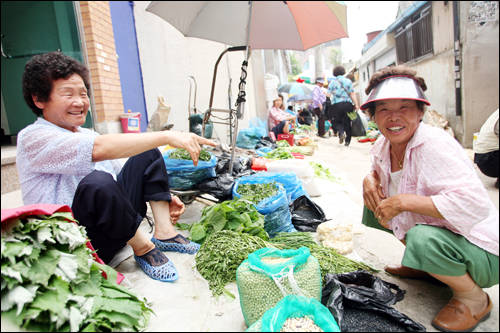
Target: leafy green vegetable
50,281
182,154
279,154
324,173
258,192
237,215
282,143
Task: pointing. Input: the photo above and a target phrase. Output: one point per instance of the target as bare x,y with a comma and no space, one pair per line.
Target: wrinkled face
68,104
397,119
278,102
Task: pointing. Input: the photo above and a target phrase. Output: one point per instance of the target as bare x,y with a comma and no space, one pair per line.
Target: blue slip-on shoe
164,273
173,244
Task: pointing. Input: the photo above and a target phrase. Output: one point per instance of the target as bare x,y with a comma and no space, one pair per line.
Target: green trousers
440,251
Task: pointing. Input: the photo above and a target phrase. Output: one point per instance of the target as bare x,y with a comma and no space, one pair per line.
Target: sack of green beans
182,173
273,205
296,314
269,274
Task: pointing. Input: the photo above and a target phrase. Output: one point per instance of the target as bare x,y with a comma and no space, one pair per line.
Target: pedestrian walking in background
342,102
318,99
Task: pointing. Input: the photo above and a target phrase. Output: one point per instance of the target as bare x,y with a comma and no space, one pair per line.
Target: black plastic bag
220,187
362,290
266,141
241,166
306,215
357,128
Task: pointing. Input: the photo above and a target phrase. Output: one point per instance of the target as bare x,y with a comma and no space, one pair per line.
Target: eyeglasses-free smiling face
397,119
68,104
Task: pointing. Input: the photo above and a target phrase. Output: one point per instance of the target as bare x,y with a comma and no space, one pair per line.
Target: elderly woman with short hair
424,190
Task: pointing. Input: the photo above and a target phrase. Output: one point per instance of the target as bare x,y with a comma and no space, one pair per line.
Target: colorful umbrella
285,25
295,88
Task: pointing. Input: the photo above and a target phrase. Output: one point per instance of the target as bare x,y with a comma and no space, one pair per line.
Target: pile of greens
236,215
182,154
282,143
324,173
329,260
258,192
221,254
279,154
50,281
224,251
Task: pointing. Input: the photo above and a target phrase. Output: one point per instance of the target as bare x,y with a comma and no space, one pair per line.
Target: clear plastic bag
183,174
293,306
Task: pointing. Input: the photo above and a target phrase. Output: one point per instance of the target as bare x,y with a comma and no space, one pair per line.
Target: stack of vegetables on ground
237,215
50,281
222,253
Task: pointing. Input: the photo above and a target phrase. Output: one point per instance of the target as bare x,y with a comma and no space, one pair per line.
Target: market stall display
50,281
277,216
182,174
269,274
221,254
237,215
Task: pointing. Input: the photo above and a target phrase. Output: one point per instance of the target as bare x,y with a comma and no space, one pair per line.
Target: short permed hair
42,70
338,70
385,72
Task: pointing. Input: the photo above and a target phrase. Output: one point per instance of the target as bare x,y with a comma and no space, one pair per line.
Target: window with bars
414,40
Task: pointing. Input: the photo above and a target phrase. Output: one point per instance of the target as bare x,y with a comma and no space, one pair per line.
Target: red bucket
286,137
131,122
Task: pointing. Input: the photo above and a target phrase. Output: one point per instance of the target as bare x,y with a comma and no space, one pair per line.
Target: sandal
174,244
150,264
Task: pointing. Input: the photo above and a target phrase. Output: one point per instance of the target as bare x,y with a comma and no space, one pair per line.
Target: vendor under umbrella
424,190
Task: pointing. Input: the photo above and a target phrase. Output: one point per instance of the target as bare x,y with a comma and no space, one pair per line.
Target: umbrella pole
241,98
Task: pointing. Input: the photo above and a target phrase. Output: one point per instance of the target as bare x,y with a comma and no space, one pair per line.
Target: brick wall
103,63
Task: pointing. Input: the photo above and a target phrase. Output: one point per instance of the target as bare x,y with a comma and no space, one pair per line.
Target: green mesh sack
268,275
293,306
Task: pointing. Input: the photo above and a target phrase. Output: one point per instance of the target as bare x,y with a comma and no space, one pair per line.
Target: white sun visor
396,87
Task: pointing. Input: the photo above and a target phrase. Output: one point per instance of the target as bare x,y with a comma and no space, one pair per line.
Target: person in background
486,148
279,120
59,162
318,100
342,102
305,117
424,190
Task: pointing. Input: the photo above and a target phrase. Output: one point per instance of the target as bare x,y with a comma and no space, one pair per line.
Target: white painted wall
168,58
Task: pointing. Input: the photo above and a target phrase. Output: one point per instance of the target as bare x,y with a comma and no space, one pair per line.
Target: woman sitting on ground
59,162
424,190
279,120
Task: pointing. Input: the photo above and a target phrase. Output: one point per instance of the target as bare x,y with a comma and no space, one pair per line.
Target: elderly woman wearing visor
424,190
